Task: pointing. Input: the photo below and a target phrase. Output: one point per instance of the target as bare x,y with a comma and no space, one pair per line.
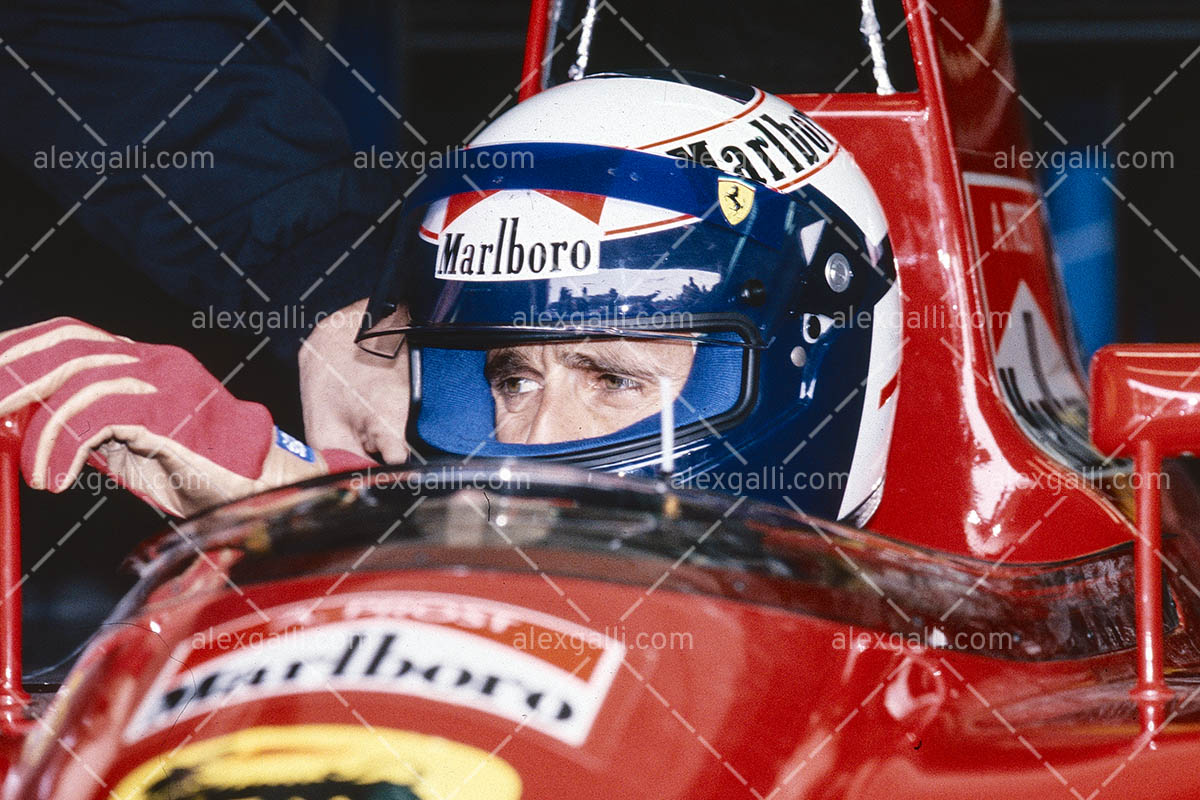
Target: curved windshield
500,516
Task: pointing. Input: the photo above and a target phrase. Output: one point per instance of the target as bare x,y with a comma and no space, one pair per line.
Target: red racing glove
149,415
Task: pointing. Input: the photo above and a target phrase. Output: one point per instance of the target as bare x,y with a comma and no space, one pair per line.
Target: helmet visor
551,398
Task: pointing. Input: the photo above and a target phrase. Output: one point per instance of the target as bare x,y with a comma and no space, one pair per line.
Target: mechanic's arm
266,201
148,415
268,214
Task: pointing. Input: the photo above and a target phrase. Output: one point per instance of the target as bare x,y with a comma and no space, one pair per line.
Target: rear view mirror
1145,405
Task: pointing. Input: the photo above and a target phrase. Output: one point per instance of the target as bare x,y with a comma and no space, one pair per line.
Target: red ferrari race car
838,517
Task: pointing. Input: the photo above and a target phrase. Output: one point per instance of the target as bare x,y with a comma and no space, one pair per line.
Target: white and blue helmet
636,206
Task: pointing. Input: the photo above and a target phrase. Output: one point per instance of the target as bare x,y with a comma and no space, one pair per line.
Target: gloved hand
149,415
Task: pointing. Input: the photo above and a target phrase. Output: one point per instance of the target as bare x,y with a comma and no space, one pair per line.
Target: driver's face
577,390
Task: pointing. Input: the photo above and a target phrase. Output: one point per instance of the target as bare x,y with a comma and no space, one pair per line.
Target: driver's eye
618,383
515,385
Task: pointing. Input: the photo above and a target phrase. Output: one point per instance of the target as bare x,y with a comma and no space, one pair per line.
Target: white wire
579,68
870,29
667,417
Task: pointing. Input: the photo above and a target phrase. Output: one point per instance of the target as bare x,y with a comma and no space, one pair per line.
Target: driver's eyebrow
606,363
505,361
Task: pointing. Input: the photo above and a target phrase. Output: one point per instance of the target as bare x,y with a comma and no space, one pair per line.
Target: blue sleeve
269,201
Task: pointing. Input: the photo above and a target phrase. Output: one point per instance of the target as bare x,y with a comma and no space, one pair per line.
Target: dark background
448,65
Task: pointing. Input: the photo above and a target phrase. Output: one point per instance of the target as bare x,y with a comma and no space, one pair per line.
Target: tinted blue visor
455,408
728,264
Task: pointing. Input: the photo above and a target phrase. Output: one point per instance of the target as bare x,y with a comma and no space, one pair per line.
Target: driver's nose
562,416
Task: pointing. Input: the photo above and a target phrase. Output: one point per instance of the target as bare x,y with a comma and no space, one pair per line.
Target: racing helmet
635,208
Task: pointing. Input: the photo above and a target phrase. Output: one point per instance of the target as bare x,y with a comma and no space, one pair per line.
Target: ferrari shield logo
736,198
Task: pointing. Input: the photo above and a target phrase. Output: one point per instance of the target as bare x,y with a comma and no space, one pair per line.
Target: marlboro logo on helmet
515,236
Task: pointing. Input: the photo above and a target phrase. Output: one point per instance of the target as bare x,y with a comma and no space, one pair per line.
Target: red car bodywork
822,681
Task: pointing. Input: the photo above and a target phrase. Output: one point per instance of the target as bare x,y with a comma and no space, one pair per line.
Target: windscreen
620,530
